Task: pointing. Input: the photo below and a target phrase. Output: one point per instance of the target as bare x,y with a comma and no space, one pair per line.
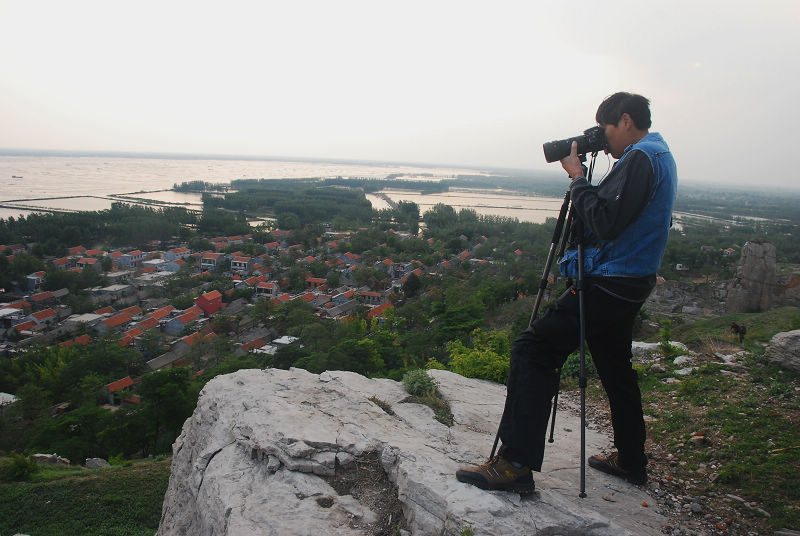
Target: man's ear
626,121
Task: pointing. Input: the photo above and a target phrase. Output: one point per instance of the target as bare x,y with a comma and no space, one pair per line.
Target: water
94,182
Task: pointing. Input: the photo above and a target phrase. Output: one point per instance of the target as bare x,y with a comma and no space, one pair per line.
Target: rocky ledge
291,452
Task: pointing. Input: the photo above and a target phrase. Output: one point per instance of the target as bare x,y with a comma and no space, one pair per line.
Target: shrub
418,383
17,467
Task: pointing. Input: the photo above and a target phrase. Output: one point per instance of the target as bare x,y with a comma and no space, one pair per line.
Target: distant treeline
294,202
121,225
376,185
199,186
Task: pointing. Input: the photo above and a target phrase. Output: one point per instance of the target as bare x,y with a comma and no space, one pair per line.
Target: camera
593,140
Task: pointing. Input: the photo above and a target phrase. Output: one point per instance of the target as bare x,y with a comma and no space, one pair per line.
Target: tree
412,285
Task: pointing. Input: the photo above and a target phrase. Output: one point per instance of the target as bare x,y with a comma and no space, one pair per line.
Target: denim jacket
638,250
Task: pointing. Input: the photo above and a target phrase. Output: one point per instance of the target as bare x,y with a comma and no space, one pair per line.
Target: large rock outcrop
278,452
752,290
784,350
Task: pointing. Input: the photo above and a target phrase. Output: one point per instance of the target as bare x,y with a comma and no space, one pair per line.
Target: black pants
537,356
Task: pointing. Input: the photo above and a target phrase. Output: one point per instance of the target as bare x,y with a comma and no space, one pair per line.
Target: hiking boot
498,474
610,465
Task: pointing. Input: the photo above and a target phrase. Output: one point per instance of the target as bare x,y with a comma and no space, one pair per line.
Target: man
626,222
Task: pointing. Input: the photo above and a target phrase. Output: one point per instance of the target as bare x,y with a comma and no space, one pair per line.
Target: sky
460,83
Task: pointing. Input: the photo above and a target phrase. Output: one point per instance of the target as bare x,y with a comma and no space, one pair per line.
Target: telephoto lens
592,140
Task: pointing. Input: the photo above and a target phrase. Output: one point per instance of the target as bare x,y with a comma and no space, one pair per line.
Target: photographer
626,220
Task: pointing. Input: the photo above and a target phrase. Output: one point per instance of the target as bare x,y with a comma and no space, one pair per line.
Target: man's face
618,136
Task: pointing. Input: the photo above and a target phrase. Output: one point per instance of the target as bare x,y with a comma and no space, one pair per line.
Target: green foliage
417,383
572,366
118,501
667,349
17,467
488,358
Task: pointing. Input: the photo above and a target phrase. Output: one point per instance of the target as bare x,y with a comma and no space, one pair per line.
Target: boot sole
515,487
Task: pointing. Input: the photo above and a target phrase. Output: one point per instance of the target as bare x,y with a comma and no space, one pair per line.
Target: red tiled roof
83,339
44,315
132,310
117,320
106,309
135,332
42,296
257,343
211,296
16,305
148,269
148,323
377,311
113,387
25,325
161,313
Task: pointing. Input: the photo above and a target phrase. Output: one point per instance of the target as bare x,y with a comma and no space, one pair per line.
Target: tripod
562,237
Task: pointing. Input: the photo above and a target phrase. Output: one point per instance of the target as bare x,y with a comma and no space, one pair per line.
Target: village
133,311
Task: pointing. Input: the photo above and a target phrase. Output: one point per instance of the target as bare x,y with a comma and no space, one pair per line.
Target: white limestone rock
290,452
784,350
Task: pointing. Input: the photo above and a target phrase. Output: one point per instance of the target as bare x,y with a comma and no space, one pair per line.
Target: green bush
418,383
17,467
488,359
572,366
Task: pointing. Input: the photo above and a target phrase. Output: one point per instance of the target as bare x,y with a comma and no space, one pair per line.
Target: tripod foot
582,495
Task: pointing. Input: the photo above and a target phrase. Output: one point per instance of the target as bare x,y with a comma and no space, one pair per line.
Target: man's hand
572,164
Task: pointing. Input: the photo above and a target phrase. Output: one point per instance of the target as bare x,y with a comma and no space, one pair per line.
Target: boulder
291,452
96,463
784,350
753,288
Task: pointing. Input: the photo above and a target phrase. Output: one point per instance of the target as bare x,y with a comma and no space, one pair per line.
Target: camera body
591,141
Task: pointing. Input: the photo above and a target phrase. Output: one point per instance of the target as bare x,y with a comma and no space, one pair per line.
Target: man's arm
609,208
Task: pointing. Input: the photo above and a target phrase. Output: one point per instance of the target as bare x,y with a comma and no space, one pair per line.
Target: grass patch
114,501
760,327
384,405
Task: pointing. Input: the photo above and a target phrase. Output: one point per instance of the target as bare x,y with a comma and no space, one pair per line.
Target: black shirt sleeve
608,208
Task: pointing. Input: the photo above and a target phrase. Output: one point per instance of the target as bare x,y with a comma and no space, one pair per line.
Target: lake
94,182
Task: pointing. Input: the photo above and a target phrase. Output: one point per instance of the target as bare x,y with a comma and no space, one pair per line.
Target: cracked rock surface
279,452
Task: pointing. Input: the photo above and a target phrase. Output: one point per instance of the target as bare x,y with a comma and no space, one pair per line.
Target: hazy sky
444,82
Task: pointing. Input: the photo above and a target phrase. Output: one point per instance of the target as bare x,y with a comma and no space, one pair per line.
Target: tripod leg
553,416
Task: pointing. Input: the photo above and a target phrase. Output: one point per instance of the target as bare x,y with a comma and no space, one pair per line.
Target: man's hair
611,109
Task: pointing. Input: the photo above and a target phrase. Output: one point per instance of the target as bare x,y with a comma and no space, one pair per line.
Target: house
210,261
264,288
173,266
241,265
114,292
371,298
83,340
210,302
35,280
113,390
64,263
41,299
316,283
176,324
131,259
88,261
76,251
46,317
117,322
188,342
376,312
177,254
